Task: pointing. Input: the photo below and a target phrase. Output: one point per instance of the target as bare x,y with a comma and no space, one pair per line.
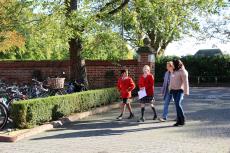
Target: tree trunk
77,64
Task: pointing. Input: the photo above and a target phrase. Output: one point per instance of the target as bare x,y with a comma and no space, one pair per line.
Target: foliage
163,21
46,31
198,66
45,28
11,39
217,26
106,45
27,114
10,11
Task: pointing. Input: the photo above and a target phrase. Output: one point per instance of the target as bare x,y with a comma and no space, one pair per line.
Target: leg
123,106
167,100
178,96
181,111
154,111
175,102
130,110
142,113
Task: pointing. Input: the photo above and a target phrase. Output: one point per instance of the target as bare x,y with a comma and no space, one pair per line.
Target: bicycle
37,90
11,94
54,86
75,86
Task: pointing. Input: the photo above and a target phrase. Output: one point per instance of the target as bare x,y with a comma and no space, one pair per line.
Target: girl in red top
146,81
125,85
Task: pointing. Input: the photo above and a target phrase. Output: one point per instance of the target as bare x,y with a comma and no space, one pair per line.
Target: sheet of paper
142,93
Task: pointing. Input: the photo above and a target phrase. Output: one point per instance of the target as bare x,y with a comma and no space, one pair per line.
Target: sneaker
141,120
131,116
162,120
155,117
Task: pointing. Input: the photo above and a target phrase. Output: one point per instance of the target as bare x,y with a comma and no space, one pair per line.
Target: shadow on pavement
100,132
213,120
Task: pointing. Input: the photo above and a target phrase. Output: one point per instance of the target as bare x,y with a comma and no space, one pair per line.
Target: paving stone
207,130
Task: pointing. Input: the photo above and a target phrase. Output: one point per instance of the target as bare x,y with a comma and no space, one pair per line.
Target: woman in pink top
178,87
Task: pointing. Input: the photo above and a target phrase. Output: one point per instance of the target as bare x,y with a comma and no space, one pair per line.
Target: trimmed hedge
29,113
205,67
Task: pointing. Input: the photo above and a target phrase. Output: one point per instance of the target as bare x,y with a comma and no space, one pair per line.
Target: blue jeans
167,99
178,98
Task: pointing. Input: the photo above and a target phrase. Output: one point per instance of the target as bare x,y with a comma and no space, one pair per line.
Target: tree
217,26
105,45
9,14
78,70
163,21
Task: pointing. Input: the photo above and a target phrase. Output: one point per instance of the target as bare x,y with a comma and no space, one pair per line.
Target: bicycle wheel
3,116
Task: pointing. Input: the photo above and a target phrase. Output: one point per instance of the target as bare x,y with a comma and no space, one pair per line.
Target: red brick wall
105,74
22,71
100,73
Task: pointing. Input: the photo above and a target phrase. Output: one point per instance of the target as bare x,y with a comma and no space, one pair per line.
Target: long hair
177,64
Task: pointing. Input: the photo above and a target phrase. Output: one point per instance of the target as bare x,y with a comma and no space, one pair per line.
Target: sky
190,45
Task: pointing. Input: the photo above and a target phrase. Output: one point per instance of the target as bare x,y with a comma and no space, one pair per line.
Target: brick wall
100,73
105,74
22,71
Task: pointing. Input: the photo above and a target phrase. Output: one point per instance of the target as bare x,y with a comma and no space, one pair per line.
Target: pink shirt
179,80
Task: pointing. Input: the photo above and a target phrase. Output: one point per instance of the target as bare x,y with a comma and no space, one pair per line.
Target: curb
58,123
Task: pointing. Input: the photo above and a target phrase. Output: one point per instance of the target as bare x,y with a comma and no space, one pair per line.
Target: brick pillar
145,58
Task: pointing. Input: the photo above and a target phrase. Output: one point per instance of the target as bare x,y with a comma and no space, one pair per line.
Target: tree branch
125,2
107,5
114,11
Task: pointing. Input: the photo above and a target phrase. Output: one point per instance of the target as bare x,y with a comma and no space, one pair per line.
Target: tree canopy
9,20
164,21
42,29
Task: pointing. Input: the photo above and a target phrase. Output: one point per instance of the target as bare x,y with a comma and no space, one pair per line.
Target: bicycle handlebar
41,84
37,81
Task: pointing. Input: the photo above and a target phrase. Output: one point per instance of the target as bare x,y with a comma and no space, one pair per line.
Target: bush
207,67
29,113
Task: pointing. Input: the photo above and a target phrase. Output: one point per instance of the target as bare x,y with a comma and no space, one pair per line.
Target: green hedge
208,67
29,113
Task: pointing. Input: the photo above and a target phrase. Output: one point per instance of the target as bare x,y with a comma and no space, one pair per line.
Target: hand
142,88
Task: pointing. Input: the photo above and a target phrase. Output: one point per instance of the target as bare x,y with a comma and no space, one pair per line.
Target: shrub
29,113
209,67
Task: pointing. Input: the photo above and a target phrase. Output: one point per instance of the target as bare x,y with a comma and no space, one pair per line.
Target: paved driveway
207,131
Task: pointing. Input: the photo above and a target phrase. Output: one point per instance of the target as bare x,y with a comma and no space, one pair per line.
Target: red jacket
125,87
148,83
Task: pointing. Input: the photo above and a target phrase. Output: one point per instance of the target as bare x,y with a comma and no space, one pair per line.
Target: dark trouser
125,100
178,98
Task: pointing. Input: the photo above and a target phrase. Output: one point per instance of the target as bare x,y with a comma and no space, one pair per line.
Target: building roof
208,52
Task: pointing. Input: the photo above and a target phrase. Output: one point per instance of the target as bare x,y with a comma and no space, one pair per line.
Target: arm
132,85
119,85
150,81
141,83
184,76
164,83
